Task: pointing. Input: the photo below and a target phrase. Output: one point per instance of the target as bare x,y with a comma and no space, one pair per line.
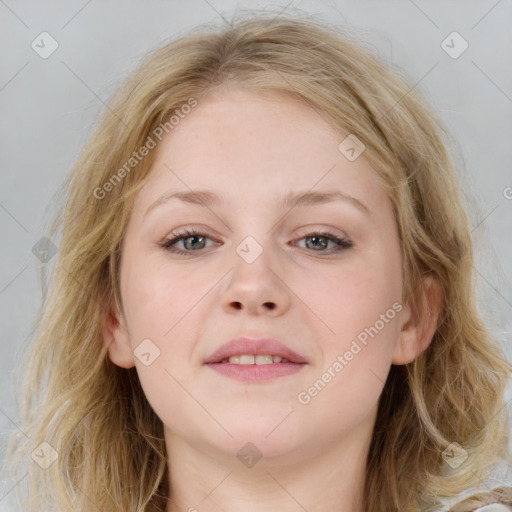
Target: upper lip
255,346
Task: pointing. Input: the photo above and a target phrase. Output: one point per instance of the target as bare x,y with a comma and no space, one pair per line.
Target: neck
306,480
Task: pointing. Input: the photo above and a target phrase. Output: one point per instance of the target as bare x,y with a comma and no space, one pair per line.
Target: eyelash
167,243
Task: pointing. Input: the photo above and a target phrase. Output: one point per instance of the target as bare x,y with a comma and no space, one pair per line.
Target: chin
270,438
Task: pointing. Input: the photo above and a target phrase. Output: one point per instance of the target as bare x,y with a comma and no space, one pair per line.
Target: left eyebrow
311,198
208,199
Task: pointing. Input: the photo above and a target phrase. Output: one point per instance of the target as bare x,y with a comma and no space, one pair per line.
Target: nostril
268,305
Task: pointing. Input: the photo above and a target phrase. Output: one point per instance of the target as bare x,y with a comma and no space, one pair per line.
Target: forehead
257,146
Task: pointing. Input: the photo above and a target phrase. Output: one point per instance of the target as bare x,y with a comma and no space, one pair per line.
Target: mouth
249,359
246,351
260,359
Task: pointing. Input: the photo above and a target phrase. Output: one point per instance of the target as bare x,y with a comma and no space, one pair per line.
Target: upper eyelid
305,231
188,232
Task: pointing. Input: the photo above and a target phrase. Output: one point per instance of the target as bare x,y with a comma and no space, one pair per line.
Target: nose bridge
255,285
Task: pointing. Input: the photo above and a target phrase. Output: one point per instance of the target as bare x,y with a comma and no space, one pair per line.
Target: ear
419,322
115,336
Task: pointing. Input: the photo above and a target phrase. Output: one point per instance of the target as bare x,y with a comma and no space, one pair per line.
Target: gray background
48,107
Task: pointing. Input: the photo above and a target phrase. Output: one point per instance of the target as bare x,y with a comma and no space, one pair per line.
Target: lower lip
256,372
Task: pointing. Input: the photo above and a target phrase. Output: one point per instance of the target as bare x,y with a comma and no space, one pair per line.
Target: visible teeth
259,359
263,360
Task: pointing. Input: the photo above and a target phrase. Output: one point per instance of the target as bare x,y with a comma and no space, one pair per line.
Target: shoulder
497,500
494,507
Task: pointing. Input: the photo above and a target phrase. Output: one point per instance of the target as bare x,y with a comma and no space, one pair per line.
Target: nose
258,288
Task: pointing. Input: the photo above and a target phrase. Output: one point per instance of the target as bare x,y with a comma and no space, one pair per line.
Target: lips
256,347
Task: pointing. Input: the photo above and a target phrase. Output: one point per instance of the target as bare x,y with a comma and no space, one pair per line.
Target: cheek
353,297
160,306
163,306
351,376
360,304
342,404
156,298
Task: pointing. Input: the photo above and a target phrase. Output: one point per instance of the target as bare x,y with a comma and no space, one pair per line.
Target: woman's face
264,265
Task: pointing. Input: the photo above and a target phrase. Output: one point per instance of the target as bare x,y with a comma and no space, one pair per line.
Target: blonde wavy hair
109,441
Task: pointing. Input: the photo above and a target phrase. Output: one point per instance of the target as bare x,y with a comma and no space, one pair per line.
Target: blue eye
194,241
321,240
197,242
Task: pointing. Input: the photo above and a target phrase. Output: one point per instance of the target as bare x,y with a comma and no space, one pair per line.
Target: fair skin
253,149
